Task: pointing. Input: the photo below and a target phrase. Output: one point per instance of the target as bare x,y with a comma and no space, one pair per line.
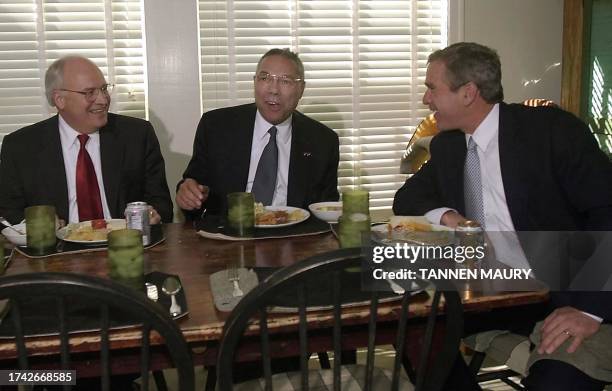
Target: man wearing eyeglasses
85,161
267,148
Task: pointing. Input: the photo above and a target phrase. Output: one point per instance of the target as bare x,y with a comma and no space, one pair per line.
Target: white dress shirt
283,142
497,215
70,151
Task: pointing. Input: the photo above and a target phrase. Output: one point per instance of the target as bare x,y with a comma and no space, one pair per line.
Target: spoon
4,222
171,287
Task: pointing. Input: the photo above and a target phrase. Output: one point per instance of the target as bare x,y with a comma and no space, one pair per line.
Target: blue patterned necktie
472,185
265,176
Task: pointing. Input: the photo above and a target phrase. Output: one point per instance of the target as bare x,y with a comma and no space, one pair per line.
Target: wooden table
194,258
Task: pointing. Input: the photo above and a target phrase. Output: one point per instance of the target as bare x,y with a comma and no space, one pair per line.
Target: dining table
194,259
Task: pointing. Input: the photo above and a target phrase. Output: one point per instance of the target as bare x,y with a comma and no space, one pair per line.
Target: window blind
365,65
34,33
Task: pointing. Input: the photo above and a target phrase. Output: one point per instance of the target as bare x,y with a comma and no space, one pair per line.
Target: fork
234,277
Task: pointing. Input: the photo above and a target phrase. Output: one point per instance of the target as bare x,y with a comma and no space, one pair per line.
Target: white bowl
14,237
328,211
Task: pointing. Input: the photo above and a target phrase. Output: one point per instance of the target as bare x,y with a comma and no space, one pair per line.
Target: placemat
318,296
40,314
222,288
64,247
212,227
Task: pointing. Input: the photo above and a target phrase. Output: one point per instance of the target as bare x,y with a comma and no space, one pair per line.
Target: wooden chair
101,297
327,270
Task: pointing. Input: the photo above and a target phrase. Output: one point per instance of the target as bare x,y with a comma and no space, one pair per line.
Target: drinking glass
126,257
40,229
240,214
356,201
352,228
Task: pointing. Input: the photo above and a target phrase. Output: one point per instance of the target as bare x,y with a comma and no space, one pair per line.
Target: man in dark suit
230,141
538,169
118,160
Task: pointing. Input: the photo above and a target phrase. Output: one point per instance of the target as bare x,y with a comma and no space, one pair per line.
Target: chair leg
160,381
211,378
512,384
476,362
324,360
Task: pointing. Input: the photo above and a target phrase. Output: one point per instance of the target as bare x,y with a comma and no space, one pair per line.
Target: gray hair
54,77
288,54
471,62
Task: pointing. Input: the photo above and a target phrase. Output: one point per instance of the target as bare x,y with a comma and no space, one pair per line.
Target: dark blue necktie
265,176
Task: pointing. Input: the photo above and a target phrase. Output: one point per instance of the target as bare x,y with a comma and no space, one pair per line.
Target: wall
527,34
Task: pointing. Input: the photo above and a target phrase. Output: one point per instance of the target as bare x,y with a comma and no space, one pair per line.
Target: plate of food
90,232
278,216
413,230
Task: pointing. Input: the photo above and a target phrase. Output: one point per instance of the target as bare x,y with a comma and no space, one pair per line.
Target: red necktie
88,192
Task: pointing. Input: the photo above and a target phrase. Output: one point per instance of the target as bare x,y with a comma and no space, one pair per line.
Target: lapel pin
307,154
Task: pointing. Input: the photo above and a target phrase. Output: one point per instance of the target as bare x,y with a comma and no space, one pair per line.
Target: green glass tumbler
352,229
356,201
240,214
126,257
40,229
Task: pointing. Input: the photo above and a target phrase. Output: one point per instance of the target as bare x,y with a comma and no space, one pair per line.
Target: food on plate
407,224
94,230
265,216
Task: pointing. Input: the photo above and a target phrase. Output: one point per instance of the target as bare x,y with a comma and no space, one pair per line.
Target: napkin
222,288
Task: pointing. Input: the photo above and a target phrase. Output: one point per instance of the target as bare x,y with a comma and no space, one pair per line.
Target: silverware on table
5,222
171,287
233,276
152,292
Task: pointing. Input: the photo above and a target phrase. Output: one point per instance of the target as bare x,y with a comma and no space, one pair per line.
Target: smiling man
518,168
85,161
268,148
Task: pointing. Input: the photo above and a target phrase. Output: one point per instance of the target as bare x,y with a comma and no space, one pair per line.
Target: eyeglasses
91,94
283,81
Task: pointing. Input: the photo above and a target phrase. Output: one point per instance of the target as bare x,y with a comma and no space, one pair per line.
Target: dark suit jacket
222,154
32,168
555,176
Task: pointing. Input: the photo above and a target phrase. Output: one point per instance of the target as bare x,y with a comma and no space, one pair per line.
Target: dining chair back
306,279
102,298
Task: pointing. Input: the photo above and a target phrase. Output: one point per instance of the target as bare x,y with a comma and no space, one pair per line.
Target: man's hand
451,219
565,323
154,217
191,194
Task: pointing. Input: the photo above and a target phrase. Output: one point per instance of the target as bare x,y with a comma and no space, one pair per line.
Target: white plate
439,235
64,231
288,209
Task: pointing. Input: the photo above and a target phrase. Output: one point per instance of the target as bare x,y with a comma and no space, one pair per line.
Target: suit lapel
52,167
111,155
301,152
511,160
241,137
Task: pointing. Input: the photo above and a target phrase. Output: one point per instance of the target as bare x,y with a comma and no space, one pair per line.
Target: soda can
137,217
469,234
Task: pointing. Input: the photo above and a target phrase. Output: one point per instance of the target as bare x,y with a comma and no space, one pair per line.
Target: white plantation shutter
34,33
365,67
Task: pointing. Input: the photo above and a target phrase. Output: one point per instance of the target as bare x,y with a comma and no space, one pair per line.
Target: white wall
527,35
172,47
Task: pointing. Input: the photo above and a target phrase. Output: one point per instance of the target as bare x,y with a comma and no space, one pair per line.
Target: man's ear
469,93
59,100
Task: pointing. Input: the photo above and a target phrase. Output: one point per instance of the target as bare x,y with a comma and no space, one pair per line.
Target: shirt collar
262,126
68,135
487,130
